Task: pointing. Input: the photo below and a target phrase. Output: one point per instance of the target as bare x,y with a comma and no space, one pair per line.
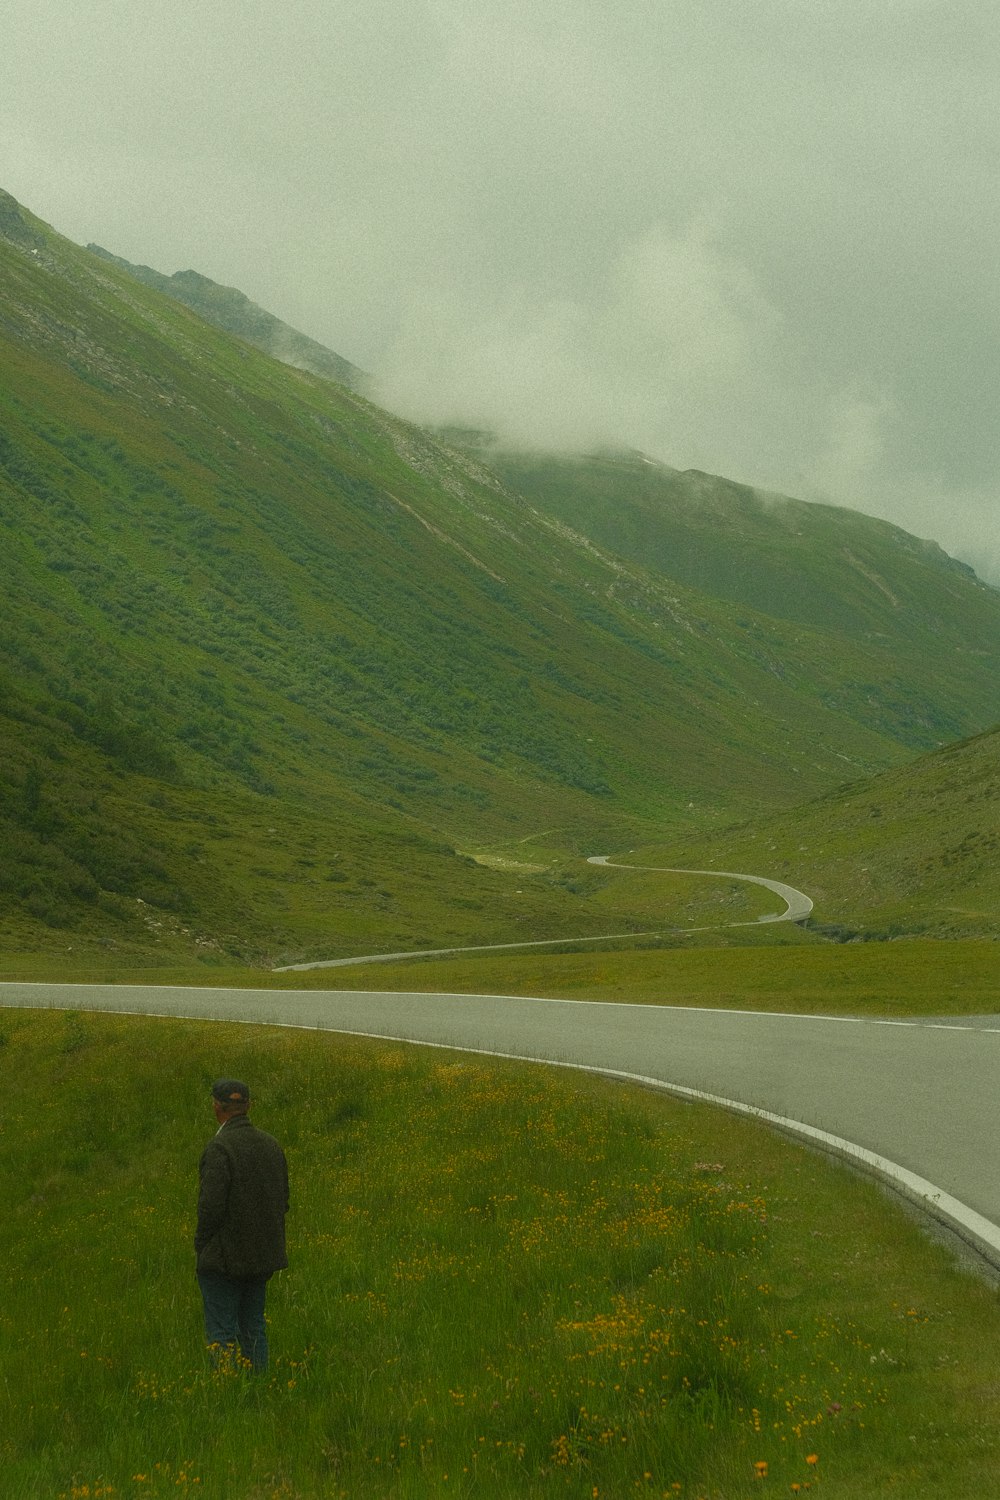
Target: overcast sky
758,237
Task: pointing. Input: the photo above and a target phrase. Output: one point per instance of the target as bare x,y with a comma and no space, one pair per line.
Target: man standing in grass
240,1239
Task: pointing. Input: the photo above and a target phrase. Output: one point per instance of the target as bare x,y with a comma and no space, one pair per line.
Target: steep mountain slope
232,310
272,656
821,566
915,850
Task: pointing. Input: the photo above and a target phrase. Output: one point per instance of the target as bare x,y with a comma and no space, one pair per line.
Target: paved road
917,1101
797,906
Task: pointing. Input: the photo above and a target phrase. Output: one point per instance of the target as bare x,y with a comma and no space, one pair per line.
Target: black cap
230,1091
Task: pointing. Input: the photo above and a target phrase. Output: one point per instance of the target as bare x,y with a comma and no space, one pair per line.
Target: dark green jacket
242,1202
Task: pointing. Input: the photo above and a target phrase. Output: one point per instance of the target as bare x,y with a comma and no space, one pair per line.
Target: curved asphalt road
797,907
797,904
918,1102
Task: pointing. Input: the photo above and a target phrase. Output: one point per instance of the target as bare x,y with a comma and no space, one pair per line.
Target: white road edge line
975,1230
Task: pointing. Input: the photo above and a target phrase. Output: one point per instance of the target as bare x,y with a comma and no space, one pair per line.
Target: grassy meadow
772,969
790,973
506,1281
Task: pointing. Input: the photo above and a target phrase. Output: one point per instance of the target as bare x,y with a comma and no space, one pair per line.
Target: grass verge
505,1281
776,970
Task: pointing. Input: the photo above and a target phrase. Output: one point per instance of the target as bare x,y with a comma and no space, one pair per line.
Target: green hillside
823,566
913,851
232,310
274,664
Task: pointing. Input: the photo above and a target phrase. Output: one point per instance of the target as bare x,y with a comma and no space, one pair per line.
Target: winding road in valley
797,908
797,904
915,1102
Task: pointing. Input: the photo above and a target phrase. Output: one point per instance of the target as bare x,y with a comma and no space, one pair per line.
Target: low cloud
753,239
678,351
671,333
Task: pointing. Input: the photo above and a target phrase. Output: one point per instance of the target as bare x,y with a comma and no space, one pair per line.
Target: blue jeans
234,1315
